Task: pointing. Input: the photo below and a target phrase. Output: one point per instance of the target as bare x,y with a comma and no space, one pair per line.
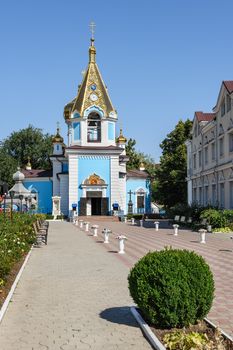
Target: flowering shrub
16,238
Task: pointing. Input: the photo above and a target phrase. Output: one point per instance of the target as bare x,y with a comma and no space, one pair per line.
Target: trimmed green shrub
228,213
135,216
173,288
216,218
49,217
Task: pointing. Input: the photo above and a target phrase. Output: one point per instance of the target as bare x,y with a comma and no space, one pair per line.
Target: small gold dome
121,138
57,138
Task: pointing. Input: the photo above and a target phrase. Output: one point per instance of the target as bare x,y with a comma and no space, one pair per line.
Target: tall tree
136,158
29,142
8,165
171,174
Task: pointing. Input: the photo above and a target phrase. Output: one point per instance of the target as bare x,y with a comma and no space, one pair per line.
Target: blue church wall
76,127
134,185
89,166
44,190
111,131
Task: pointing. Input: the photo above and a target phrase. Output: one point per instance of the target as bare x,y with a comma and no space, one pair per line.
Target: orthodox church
89,173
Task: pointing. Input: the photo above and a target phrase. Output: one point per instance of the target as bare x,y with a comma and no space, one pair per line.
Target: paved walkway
72,295
218,252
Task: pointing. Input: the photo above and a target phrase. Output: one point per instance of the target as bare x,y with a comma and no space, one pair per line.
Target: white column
64,187
118,185
73,180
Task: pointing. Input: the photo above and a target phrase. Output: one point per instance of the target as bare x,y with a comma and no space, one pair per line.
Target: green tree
29,142
171,174
8,165
136,158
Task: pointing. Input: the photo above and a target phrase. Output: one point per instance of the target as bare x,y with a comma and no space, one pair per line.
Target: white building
210,153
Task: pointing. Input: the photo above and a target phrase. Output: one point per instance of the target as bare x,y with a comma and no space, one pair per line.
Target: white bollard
76,222
132,221
121,240
81,223
95,230
176,229
156,225
106,233
202,233
86,226
141,223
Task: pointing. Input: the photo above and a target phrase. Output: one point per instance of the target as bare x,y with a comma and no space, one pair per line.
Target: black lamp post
26,201
30,202
4,206
12,193
21,202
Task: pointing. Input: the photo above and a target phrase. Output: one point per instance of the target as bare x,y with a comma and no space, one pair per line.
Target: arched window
93,128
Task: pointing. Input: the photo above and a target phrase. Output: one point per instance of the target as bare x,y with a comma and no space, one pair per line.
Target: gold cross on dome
58,127
92,26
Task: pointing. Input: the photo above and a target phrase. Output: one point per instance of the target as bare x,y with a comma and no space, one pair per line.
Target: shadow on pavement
120,315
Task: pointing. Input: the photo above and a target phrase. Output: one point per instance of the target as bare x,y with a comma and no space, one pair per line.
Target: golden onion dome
57,138
121,138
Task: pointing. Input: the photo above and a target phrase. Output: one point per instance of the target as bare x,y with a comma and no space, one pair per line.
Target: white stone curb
154,341
13,287
222,332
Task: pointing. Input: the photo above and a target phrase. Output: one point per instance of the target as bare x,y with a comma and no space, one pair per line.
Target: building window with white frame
206,155
195,130
206,195
194,161
200,158
230,142
231,194
213,151
221,147
223,108
214,194
194,194
200,195
228,103
222,194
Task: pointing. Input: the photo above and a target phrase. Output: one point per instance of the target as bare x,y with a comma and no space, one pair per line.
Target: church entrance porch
93,206
94,200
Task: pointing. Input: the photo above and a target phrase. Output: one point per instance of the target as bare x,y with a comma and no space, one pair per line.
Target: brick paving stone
72,295
218,252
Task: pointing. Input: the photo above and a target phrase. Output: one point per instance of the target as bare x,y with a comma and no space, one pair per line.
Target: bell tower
90,116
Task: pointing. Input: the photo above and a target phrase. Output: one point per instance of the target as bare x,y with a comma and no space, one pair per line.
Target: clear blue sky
161,60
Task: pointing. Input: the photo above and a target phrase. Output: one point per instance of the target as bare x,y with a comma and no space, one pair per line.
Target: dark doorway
96,206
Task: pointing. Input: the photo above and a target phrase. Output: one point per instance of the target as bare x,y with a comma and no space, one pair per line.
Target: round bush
173,288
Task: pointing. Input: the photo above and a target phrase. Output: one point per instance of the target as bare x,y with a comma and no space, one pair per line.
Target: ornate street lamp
30,201
26,201
12,194
21,202
130,203
4,206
